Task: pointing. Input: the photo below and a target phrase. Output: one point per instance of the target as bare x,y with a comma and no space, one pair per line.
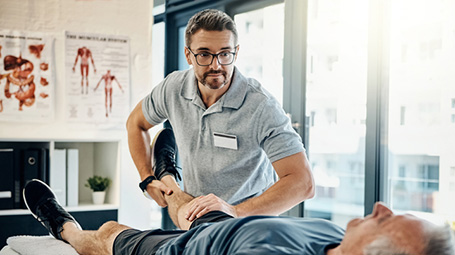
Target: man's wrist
143,185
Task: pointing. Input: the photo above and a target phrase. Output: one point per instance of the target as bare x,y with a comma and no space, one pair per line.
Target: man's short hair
210,20
439,240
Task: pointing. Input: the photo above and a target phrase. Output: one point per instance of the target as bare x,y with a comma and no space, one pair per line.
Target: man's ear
188,56
236,52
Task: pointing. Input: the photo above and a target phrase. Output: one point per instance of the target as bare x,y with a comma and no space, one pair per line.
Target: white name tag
225,141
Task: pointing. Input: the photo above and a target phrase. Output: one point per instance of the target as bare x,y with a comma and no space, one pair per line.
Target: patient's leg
100,241
43,204
177,203
164,165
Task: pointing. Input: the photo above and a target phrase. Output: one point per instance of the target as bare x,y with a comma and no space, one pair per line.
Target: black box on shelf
21,162
7,178
34,165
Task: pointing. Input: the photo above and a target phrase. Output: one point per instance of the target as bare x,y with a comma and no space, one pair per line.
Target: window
157,53
402,115
418,158
182,63
336,107
261,40
402,171
452,187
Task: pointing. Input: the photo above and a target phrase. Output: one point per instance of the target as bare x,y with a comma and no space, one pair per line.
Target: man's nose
215,64
381,209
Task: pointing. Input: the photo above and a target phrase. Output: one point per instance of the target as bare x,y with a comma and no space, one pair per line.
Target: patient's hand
204,204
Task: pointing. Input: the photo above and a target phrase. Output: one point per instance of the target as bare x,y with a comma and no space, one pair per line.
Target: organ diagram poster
97,78
27,81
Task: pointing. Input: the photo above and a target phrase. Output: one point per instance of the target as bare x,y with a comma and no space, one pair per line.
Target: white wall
132,18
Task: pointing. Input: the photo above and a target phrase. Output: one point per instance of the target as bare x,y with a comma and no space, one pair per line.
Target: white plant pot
98,197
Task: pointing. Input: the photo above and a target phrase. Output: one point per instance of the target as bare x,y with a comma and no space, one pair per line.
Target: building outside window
424,146
336,107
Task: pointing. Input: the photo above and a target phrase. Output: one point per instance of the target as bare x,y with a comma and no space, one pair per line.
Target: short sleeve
275,134
154,105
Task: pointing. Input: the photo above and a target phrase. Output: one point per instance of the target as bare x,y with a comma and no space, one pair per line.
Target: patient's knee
110,228
110,224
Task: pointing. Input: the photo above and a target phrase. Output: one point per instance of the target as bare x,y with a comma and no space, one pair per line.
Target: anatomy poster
97,78
26,76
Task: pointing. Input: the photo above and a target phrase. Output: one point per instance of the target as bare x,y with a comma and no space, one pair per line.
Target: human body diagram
108,88
85,55
19,83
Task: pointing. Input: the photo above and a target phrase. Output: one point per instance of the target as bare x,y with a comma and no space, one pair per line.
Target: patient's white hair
439,240
383,246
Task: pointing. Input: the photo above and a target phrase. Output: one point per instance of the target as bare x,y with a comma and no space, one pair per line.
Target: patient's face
404,230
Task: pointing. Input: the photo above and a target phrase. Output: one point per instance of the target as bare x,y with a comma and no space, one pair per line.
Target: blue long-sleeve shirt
257,235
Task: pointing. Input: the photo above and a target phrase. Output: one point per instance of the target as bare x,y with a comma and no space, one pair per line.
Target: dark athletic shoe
163,155
42,203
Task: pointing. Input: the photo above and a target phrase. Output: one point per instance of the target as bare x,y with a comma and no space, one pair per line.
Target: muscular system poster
97,78
27,80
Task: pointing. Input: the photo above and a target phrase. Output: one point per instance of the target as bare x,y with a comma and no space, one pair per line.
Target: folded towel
6,250
38,245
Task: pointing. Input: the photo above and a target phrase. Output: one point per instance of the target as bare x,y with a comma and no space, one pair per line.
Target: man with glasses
238,150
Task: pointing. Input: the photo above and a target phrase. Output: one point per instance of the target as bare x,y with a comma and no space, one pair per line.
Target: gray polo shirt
226,149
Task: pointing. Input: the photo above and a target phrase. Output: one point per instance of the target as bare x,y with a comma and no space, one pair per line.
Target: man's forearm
282,196
139,141
139,145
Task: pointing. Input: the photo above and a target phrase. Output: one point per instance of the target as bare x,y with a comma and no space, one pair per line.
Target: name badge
225,141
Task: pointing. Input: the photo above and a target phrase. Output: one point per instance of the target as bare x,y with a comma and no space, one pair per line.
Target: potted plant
98,185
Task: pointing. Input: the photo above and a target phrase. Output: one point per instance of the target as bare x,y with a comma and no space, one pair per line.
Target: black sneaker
163,155
42,203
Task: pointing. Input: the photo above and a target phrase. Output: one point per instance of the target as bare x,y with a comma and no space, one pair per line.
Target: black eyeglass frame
213,56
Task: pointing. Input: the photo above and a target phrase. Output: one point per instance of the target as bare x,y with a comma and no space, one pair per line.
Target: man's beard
214,84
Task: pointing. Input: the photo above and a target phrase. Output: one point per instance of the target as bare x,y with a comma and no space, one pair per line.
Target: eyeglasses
205,59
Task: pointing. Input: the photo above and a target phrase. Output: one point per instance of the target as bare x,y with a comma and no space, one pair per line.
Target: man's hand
204,204
156,189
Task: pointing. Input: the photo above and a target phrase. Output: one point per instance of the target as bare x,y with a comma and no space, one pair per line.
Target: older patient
382,232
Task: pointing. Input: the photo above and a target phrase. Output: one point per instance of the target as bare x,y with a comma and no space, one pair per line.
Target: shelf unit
95,158
100,157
